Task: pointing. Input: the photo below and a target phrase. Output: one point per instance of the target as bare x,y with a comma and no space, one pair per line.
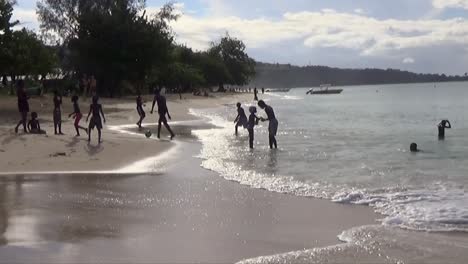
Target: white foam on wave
436,207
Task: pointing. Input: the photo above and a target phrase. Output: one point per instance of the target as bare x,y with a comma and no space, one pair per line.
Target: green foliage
120,45
232,52
21,51
110,39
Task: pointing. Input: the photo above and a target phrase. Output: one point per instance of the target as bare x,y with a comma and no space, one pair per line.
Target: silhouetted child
414,147
253,121
442,126
77,115
163,111
34,126
57,113
241,119
95,109
23,106
141,112
273,123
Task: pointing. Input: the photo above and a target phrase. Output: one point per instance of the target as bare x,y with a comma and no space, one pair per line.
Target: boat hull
330,91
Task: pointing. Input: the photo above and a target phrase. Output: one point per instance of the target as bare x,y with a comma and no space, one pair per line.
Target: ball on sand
148,134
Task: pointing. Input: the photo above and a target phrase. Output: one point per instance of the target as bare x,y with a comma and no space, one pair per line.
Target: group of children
34,127
250,123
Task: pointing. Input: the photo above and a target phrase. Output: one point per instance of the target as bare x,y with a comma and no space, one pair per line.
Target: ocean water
354,148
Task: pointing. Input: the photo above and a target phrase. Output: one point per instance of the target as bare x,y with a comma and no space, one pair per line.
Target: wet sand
183,215
150,201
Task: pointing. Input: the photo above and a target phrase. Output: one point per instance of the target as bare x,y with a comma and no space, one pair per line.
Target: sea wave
438,207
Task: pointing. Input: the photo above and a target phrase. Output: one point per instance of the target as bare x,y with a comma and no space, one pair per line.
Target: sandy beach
176,213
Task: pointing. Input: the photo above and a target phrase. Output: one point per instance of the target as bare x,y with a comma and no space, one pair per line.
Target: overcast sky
416,35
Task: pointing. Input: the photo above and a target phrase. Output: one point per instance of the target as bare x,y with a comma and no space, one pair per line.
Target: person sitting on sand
77,115
33,125
57,113
241,119
272,126
163,111
253,121
23,106
96,110
442,126
140,110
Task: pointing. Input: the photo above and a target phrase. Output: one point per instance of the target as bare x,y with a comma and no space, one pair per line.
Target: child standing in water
141,112
253,120
57,113
77,115
442,126
96,110
34,126
241,119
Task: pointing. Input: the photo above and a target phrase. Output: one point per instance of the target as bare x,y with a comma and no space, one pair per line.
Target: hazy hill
285,75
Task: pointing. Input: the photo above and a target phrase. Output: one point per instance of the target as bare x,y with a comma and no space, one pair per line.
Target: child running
77,115
241,119
140,110
57,113
253,121
34,126
96,110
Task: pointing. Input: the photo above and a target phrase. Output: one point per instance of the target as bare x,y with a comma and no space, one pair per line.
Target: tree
6,29
22,53
239,65
111,40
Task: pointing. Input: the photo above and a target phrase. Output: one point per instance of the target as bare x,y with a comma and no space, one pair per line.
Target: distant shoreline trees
288,76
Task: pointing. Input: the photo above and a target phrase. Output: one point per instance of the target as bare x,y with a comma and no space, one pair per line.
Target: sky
427,36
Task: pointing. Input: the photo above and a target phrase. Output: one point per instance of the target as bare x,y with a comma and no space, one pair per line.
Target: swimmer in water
414,148
442,126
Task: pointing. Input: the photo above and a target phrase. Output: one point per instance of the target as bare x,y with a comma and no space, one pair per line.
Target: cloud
442,4
326,29
359,11
408,60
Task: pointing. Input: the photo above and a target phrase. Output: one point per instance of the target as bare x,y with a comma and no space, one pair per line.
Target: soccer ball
148,134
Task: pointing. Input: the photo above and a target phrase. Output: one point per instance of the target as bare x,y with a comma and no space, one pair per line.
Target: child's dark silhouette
163,111
23,105
77,115
241,119
140,110
57,113
34,126
96,110
253,120
273,125
442,126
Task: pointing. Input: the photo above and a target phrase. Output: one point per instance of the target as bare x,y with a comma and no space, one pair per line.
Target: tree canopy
116,41
22,53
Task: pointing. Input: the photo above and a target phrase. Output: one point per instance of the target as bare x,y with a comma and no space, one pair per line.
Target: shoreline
212,219
252,222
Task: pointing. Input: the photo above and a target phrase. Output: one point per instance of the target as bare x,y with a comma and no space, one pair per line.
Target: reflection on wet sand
184,215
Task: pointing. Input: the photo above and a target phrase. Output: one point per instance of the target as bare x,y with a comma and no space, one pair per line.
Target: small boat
324,89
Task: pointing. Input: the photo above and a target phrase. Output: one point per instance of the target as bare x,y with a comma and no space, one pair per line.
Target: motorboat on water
324,89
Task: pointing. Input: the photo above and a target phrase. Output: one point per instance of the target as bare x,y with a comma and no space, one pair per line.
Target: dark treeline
118,47
288,76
